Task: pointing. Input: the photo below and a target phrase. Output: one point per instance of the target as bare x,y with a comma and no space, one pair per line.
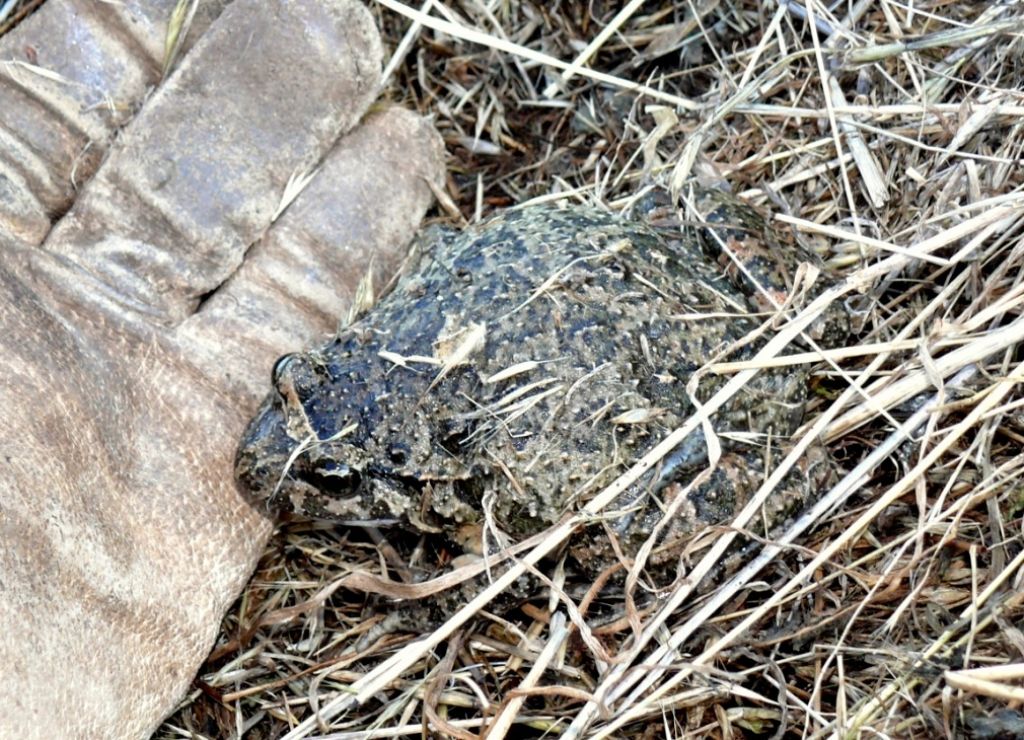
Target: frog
519,366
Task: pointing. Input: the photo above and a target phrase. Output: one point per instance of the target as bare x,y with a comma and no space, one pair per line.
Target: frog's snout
263,451
304,476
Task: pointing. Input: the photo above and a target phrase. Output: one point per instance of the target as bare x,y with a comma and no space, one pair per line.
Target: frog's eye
335,479
280,368
398,454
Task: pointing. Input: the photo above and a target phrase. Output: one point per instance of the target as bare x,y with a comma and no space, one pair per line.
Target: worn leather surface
74,73
137,335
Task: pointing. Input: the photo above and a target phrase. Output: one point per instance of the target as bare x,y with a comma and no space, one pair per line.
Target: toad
517,367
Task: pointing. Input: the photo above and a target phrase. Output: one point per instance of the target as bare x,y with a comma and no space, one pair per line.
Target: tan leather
71,75
137,338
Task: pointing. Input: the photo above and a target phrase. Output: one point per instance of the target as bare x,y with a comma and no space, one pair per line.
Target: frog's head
311,447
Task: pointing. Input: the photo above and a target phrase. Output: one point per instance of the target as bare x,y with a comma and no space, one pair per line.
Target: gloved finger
360,210
71,75
198,175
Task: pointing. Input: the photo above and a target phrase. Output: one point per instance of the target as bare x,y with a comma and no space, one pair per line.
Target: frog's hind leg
732,484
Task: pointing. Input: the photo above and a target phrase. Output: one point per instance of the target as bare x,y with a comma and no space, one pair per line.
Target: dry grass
13,12
889,138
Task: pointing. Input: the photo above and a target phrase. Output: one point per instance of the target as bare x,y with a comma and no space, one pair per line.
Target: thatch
888,137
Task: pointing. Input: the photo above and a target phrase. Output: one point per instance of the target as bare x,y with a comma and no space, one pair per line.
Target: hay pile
888,137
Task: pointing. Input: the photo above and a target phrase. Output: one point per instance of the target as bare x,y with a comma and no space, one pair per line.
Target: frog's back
580,330
554,275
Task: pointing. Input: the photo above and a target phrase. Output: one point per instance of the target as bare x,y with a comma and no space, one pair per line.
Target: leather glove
150,273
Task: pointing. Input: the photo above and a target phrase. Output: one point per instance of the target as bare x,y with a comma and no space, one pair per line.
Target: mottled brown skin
140,305
613,315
